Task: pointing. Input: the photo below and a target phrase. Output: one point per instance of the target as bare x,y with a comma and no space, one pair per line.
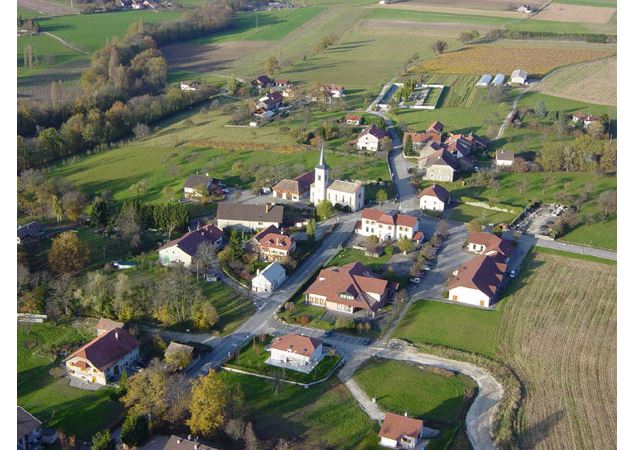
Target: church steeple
319,189
322,163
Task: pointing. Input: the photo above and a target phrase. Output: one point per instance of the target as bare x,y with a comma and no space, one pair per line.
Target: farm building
440,166
189,85
498,80
519,76
484,80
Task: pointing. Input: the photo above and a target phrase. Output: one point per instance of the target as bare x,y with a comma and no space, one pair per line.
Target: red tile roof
266,231
353,117
395,426
295,343
105,350
491,242
436,127
389,218
190,241
436,191
276,240
484,273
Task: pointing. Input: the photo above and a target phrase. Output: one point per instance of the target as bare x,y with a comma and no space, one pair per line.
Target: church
344,193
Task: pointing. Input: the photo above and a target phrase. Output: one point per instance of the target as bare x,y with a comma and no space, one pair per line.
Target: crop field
477,59
45,7
575,13
604,3
593,82
491,6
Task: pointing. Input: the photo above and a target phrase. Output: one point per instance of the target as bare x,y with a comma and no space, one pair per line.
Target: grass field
46,50
325,415
49,398
465,213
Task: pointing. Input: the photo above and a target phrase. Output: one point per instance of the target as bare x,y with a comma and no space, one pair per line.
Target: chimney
405,414
117,335
266,208
179,440
189,437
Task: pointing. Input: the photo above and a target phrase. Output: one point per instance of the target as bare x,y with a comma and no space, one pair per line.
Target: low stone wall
490,207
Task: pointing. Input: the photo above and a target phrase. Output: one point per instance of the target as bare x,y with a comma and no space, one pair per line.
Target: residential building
370,138
29,428
434,198
400,431
440,166
295,352
353,119
344,193
424,143
269,278
175,442
184,249
281,83
296,189
198,185
275,246
435,127
387,226
349,289
104,357
262,81
519,76
32,230
270,102
488,244
106,325
504,158
248,217
334,90
476,282
189,85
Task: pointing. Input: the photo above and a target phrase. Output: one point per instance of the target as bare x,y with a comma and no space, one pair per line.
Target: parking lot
540,219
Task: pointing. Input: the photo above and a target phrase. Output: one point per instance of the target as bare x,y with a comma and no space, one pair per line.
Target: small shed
519,76
484,80
498,79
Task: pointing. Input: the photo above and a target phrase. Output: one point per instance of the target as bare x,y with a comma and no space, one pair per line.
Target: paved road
572,248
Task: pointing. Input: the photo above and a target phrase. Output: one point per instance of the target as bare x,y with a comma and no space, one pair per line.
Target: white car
512,274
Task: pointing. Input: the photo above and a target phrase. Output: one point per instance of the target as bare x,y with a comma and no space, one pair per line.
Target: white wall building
296,352
519,76
268,279
400,431
387,226
184,249
344,193
370,138
434,198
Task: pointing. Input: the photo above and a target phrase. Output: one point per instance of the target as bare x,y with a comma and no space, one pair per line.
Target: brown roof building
248,217
180,443
296,343
483,273
435,127
275,246
436,191
294,189
387,225
106,325
183,250
400,431
488,244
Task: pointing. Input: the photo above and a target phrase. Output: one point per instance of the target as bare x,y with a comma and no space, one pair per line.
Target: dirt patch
424,29
575,13
205,58
46,8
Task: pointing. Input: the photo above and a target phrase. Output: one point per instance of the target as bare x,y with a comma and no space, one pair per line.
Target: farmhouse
262,82
296,352
488,244
387,226
32,230
434,198
344,193
400,431
504,158
198,185
279,83
29,429
484,80
248,217
184,249
275,246
295,189
104,357
334,90
189,85
519,76
586,119
440,166
269,278
352,119
348,289
476,282
370,138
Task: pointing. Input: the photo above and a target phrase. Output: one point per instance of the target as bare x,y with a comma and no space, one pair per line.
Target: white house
387,226
296,352
29,429
189,85
400,431
184,249
344,193
269,278
476,282
434,198
370,138
504,158
519,76
104,357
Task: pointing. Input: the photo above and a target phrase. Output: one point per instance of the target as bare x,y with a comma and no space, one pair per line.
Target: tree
134,430
68,253
540,109
519,165
251,441
408,148
310,230
56,92
174,296
97,293
608,202
608,159
204,316
272,65
209,400
179,358
439,47
405,245
381,196
205,254
465,37
140,187
496,93
102,440
371,241
128,224
473,226
28,55
596,129
443,228
146,393
73,203
141,130
324,210
385,144
101,209
56,208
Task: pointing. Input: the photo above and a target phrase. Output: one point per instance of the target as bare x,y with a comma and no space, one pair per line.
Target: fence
32,318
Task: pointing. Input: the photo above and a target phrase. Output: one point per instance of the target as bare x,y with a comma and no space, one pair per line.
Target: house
476,282
104,357
435,127
434,198
262,82
334,90
459,146
29,428
295,189
175,443
269,278
586,119
276,246
498,80
527,9
196,186
387,226
484,80
32,230
353,119
348,289
400,431
345,193
504,158
296,352
440,166
423,143
370,138
281,83
248,217
270,102
519,76
106,325
488,244
190,85
184,249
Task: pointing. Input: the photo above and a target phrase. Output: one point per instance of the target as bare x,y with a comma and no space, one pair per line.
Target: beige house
275,246
248,217
440,166
476,282
296,352
400,431
488,244
387,226
344,193
295,189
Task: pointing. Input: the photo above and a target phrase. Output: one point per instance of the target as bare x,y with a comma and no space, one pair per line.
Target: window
455,298
319,177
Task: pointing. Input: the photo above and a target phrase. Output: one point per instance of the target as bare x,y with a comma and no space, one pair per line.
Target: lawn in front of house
48,396
465,213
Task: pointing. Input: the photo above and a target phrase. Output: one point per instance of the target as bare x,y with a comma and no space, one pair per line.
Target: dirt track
46,7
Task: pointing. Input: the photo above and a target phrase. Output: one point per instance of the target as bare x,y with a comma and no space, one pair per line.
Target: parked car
512,274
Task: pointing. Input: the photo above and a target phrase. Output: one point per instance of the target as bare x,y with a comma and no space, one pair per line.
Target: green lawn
232,308
47,52
49,398
325,415
601,234
465,213
349,255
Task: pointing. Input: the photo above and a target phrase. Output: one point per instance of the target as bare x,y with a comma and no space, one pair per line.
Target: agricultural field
603,3
592,82
498,7
37,8
567,12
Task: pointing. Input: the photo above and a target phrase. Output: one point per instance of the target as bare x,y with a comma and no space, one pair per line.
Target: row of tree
548,35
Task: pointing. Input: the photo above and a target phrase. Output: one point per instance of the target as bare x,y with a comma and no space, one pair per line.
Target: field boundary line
65,43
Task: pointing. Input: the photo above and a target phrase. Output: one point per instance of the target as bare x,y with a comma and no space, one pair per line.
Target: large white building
269,278
296,352
388,226
344,193
434,198
476,282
